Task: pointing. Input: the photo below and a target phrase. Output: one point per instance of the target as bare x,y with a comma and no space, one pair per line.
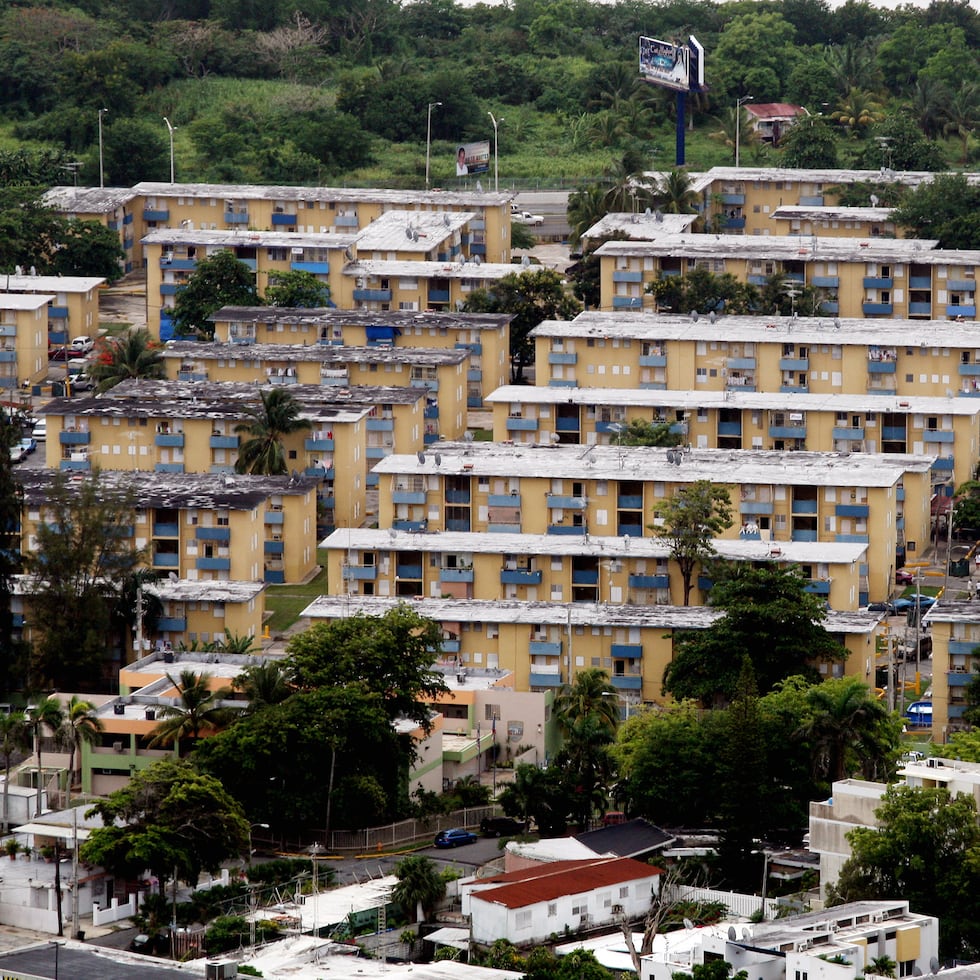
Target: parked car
58,353
17,453
885,607
456,837
905,603
28,444
501,827
81,346
904,577
82,382
40,431
526,218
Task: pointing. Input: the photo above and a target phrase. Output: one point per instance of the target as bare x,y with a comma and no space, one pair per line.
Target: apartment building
611,491
485,335
955,630
545,644
834,221
191,427
896,278
115,208
204,526
442,373
566,568
73,303
23,339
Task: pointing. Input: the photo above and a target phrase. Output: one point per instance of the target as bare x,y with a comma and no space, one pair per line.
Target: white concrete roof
831,213
194,590
192,350
828,177
953,611
779,401
911,334
24,301
551,849
641,225
609,949
230,238
412,231
432,270
50,284
735,466
87,200
607,546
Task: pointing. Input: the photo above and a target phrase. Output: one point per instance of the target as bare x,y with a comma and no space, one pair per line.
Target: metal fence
405,831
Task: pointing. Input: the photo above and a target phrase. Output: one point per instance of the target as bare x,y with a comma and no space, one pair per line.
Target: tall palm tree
80,726
586,206
853,65
735,127
242,644
46,714
962,112
419,886
133,355
675,194
262,452
264,684
591,696
200,709
927,98
15,736
856,111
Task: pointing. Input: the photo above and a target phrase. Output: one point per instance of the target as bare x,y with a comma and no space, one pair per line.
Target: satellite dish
415,235
746,934
295,474
459,306
408,232
712,316
349,254
173,576
467,436
525,262
917,971
392,533
837,323
477,260
688,924
874,200
445,220
421,458
479,187
694,315
658,216
647,213
438,459
732,934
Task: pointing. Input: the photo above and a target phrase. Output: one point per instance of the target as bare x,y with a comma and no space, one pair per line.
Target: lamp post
496,122
265,826
170,130
102,112
428,139
738,122
765,878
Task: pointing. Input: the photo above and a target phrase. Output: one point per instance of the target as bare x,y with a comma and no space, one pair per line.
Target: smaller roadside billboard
472,158
664,63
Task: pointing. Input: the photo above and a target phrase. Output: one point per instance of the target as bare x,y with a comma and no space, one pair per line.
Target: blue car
28,444
903,604
455,837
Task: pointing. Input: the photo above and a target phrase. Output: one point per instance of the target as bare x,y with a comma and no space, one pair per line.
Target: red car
904,577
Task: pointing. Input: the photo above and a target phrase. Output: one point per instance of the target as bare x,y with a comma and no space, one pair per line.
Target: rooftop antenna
688,924
468,436
438,459
732,934
479,187
421,458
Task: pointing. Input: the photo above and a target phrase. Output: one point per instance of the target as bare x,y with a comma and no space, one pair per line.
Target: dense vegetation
329,90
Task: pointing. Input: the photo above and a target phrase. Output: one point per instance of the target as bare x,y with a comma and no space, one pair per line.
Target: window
491,711
552,909
523,919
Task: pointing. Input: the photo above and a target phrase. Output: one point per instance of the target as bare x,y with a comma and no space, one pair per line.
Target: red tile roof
532,885
774,110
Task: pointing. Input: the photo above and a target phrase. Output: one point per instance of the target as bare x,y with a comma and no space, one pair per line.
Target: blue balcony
627,683
449,646
969,370
877,309
57,312
224,442
817,588
430,437
274,517
503,528
366,573
625,529
964,646
478,248
346,221
920,309
156,214
75,464
965,311
877,282
943,463
845,432
438,295
803,536
213,533
318,444
380,425
169,439
920,282
787,431
584,577
629,651
170,288
825,282
214,564
520,576
545,679
649,581
733,223
409,525
554,500
804,506
625,275
172,624
472,348
811,200
373,295
74,438
567,530
274,576
893,433
755,507
8,382
236,217
829,306
408,496
956,678
504,499
55,337
474,374
8,356
627,303
570,423
458,496
558,357
729,428
430,384
741,363
733,200
455,574
899,493
165,529
316,268
431,412
937,435
882,367
168,468
542,648
559,383
273,547
794,364
705,584
409,571
653,360
166,559
281,219
961,285
852,510
956,710
629,501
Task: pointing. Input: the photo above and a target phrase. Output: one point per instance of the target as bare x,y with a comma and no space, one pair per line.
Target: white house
529,905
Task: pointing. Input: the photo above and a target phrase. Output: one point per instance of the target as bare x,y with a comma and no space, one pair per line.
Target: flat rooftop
310,395
468,542
231,238
412,231
195,590
410,269
17,302
50,284
192,350
834,212
953,611
78,960
87,200
331,317
828,177
731,466
775,401
643,225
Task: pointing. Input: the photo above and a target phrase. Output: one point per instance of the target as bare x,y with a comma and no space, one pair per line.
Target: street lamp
428,139
738,121
264,826
101,168
170,129
496,122
765,878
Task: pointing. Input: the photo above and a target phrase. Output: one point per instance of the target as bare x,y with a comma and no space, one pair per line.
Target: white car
80,346
526,218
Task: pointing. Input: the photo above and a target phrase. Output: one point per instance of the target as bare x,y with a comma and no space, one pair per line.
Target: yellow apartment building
854,277
441,373
835,222
319,210
645,225
116,208
566,568
23,339
189,427
205,526
485,335
738,419
604,491
955,629
546,644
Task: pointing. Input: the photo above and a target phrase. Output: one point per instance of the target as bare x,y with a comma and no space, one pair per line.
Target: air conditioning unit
877,916
117,746
151,714
220,970
617,910
119,709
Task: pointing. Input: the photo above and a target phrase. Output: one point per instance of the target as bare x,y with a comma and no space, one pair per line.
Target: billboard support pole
679,132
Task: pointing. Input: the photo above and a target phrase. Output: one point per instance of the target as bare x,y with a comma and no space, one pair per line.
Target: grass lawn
286,602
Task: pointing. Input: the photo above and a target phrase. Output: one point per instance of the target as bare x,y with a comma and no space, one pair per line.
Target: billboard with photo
664,63
472,158
695,64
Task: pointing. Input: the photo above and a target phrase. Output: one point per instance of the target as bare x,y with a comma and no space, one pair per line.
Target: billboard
472,158
664,63
696,64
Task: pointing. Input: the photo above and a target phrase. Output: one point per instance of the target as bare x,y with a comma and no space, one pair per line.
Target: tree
46,714
81,726
263,684
87,248
810,145
897,143
531,297
277,416
701,291
15,736
946,208
219,280
134,355
541,795
83,547
297,290
963,115
135,150
850,731
675,193
688,521
768,615
735,125
521,235
640,432
925,848
856,111
200,710
391,655
586,206
419,887
12,651
172,819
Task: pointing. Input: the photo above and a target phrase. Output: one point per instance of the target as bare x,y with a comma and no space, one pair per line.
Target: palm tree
15,736
853,65
586,206
264,684
845,722
262,453
81,725
962,112
419,886
242,644
927,98
133,355
675,194
200,709
590,697
856,111
47,713
736,126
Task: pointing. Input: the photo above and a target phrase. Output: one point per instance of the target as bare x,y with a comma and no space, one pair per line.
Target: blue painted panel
852,510
555,383
556,357
582,577
165,530
734,223
629,501
803,536
166,560
920,309
273,547
794,364
845,432
504,500
409,525
569,424
169,468
278,220
457,496
74,438
438,295
75,464
829,306
627,303
520,576
224,442
787,431
545,680
877,309
172,624
920,282
472,348
804,507
963,646
756,507
155,214
877,282
955,678
366,573
567,530
826,282
373,295
627,683
730,428
624,275
881,367
852,539
169,439
274,517
346,221
317,268
969,311
943,463
893,432
408,496
456,575
504,528
937,435
629,530
541,648
817,588
565,502
653,360
213,533
236,217
735,199
741,363
274,576
649,581
632,651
